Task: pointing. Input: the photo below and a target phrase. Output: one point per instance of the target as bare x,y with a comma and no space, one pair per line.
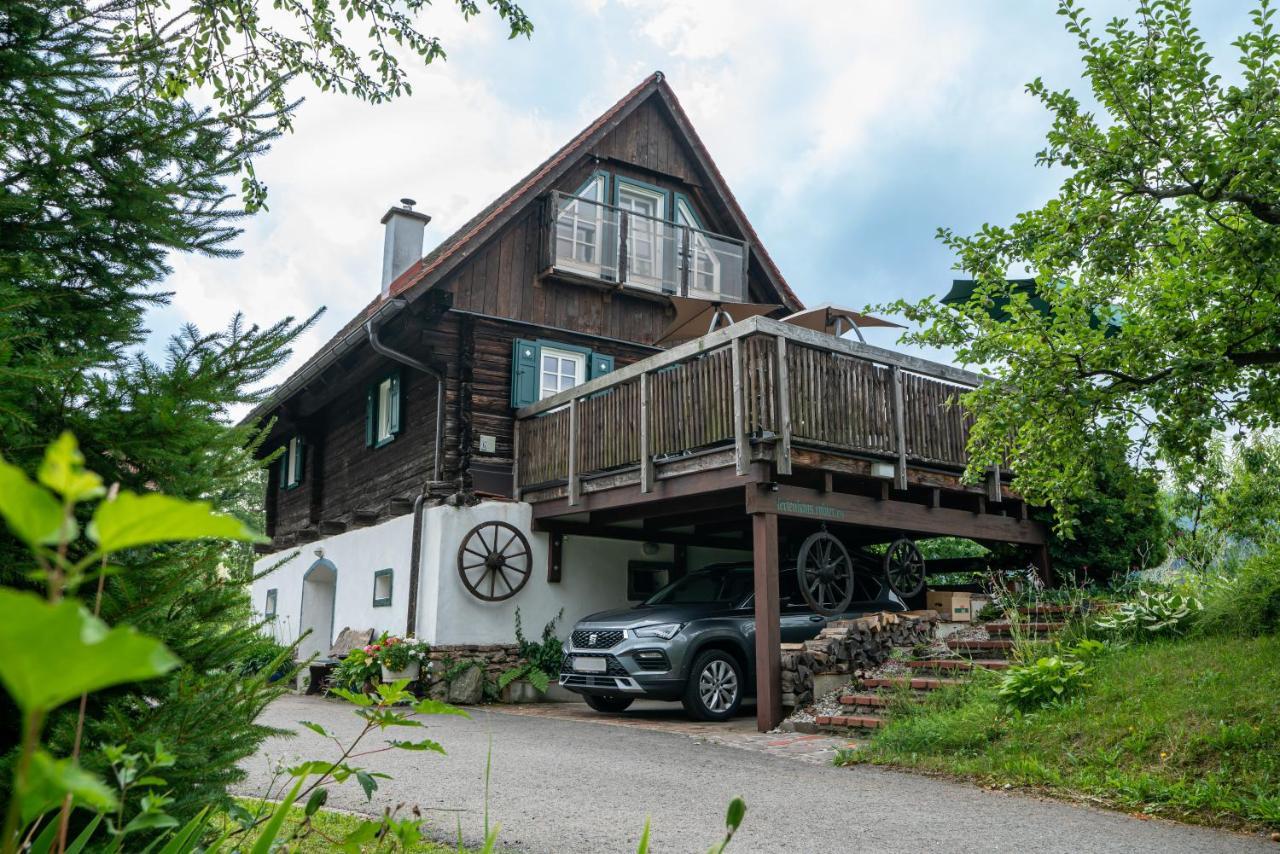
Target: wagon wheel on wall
494,561
904,567
825,574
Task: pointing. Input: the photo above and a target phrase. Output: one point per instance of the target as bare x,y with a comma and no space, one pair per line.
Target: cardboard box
952,606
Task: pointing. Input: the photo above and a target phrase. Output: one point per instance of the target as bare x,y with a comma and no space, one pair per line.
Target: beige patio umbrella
696,317
834,320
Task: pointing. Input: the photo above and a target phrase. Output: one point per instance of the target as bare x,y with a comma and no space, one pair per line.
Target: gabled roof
454,249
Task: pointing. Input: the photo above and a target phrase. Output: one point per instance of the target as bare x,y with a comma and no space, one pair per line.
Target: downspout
415,555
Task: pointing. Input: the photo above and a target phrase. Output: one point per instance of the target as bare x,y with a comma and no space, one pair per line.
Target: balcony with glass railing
596,241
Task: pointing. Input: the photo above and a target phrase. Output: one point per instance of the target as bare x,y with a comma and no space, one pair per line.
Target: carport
756,436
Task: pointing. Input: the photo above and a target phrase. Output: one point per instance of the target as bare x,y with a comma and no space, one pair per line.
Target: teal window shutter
524,372
599,365
393,405
370,414
298,464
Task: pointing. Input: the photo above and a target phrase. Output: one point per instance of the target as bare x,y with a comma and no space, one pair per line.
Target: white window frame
292,476
700,247
575,214
654,226
382,429
579,361
271,606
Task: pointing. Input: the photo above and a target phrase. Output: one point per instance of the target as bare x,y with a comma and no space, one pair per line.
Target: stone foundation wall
493,660
847,646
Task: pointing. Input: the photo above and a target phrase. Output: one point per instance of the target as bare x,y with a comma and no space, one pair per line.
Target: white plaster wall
593,578
357,555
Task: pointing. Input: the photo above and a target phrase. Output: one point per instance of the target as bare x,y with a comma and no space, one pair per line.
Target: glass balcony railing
598,240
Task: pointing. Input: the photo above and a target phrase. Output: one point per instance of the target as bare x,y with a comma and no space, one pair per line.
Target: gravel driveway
568,786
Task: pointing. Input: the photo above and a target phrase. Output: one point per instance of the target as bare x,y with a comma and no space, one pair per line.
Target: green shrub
1152,614
1048,680
1246,603
1087,651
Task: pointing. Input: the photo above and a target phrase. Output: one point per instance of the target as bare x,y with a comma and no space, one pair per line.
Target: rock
467,688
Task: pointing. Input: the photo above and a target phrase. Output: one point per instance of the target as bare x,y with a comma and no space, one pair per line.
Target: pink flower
368,649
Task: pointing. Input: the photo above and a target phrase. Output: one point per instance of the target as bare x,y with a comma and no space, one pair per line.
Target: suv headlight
666,631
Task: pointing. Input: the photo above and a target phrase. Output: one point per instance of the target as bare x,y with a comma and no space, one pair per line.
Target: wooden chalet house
499,427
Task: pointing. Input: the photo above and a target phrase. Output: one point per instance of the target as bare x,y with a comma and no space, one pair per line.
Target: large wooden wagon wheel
904,567
825,574
494,561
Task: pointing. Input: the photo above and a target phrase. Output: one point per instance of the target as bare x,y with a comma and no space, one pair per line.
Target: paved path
565,785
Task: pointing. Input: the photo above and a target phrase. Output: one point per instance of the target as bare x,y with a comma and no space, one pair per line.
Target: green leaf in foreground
138,520
33,514
50,780
435,707
62,470
50,654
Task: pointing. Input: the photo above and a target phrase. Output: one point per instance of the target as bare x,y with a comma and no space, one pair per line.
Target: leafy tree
122,123
1157,260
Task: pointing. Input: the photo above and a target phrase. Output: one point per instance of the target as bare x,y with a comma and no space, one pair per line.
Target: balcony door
646,211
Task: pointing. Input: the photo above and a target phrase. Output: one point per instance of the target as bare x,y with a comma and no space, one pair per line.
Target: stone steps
847,722
1038,628
960,664
915,683
871,701
992,648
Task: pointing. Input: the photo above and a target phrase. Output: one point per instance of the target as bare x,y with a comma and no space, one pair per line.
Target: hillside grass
1184,729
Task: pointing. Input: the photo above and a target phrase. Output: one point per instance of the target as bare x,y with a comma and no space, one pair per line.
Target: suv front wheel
714,691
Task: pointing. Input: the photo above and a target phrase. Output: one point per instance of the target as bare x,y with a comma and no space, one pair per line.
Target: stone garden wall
445,677
847,646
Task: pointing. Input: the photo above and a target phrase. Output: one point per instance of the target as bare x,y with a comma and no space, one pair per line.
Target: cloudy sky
849,131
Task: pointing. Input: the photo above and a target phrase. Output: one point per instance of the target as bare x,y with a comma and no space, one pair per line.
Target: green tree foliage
1158,260
122,124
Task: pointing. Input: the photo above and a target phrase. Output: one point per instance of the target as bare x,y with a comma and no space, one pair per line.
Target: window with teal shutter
382,410
291,463
541,368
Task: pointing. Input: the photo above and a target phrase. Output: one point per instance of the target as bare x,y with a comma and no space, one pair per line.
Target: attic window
382,411
291,462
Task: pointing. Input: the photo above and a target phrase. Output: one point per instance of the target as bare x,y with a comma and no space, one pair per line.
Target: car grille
613,667
596,639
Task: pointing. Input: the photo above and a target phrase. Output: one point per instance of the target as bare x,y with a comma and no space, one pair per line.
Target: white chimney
402,245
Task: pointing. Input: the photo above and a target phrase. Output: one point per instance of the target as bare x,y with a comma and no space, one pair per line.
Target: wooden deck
767,391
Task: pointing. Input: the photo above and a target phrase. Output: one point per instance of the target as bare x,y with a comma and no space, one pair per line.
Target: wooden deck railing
756,380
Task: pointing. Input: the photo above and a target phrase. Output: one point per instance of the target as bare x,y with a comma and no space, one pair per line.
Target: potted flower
400,658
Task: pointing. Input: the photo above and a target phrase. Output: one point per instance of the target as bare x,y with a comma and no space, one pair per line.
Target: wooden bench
322,668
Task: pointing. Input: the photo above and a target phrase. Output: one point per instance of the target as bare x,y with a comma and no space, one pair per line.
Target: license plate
589,665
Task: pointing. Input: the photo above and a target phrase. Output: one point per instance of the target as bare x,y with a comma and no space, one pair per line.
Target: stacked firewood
847,646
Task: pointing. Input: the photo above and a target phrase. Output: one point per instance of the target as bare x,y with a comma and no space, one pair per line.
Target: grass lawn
335,825
1184,729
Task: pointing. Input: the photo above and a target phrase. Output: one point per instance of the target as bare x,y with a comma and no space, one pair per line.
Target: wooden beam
741,444
646,459
1044,564
575,486
899,430
555,558
764,530
634,505
994,492
561,528
841,508
783,390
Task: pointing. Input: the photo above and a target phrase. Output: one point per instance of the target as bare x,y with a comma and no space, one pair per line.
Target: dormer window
291,462
382,411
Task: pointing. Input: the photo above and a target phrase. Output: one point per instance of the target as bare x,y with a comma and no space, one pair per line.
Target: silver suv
693,641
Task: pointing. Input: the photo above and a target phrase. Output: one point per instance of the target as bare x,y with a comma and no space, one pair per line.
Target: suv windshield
725,586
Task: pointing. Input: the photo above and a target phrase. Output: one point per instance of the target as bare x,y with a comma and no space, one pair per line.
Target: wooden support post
899,431
741,447
624,246
1022,511
679,561
884,490
783,448
935,497
828,482
764,543
1043,563
574,486
646,458
994,493
982,505
555,558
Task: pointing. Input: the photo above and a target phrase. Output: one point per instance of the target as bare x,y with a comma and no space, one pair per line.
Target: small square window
382,588
269,610
382,416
